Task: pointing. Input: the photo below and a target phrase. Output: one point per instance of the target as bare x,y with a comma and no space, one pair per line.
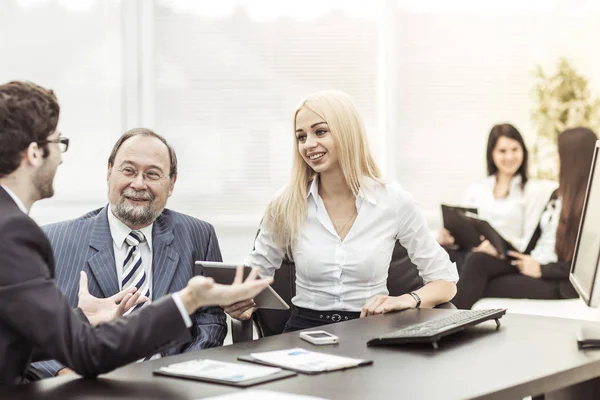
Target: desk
528,355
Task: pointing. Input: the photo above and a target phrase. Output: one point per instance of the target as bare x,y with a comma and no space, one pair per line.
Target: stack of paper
306,361
218,370
262,395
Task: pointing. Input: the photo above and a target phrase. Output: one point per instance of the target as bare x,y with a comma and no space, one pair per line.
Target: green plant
563,100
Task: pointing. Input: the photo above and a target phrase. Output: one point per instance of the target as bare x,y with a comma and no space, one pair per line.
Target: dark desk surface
528,355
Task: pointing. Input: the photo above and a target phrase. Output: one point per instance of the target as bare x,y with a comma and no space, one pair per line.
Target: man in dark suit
142,170
36,321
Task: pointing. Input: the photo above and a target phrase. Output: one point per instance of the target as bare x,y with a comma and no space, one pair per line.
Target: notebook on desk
433,330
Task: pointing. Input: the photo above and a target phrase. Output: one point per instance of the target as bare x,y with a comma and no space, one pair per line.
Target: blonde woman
339,221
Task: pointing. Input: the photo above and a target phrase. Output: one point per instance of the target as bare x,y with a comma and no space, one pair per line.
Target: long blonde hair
287,211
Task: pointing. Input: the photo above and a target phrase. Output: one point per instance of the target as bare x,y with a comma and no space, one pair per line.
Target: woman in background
339,222
507,199
544,274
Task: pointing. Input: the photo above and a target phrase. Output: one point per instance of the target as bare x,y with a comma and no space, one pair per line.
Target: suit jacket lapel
102,263
164,258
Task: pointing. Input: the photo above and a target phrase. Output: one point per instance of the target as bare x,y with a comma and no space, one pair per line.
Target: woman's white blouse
515,216
545,251
342,275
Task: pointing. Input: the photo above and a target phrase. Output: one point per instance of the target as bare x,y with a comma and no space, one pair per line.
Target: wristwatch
417,299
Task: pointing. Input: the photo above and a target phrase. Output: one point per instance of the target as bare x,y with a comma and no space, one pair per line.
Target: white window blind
464,66
227,84
75,49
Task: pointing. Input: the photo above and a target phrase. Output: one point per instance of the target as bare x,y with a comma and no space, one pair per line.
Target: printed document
303,360
219,370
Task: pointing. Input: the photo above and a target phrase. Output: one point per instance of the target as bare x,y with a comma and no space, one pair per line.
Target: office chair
403,277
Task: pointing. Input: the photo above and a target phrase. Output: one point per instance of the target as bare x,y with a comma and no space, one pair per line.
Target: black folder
466,235
502,245
467,228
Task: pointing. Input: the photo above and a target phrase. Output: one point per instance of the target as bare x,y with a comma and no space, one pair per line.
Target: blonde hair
287,211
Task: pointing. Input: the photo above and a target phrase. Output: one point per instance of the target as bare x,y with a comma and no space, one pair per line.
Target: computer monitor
584,269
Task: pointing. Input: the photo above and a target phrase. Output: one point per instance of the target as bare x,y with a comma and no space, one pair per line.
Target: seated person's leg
477,271
458,256
518,286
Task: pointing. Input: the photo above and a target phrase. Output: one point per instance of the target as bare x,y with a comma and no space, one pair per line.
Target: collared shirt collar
365,193
16,199
119,231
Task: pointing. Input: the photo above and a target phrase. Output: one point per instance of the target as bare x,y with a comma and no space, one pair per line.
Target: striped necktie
133,269
134,273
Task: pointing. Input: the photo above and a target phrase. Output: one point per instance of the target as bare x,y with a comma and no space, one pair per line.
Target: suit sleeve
48,369
32,305
210,323
557,270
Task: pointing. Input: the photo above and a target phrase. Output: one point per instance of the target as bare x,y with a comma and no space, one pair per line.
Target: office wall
464,66
221,80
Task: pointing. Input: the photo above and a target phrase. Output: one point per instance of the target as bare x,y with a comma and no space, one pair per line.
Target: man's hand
384,304
527,265
486,247
201,291
99,310
241,310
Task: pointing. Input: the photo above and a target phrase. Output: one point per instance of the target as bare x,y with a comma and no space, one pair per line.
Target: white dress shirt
332,274
515,216
545,251
119,231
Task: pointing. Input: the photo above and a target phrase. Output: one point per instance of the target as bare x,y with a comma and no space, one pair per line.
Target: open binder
464,224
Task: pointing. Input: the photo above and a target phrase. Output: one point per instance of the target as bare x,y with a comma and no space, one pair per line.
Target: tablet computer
224,273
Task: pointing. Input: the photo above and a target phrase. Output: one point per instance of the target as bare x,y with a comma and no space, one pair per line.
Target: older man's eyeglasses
151,176
63,143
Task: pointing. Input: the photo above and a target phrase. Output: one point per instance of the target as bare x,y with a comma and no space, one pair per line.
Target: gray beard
135,215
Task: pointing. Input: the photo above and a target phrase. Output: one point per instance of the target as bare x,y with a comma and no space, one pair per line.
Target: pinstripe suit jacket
178,240
37,322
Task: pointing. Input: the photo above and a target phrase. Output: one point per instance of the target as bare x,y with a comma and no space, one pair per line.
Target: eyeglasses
151,176
63,143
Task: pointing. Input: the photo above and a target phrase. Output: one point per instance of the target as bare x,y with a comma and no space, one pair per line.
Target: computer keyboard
433,330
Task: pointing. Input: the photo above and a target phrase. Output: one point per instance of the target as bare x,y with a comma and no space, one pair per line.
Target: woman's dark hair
575,150
510,132
28,114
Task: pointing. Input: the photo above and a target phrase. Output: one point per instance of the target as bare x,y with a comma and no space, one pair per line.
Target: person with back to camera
36,321
507,199
544,274
339,222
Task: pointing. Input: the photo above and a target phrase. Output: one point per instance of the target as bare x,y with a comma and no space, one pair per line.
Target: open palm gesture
99,310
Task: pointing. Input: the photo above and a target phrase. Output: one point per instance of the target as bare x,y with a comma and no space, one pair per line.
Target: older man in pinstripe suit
135,241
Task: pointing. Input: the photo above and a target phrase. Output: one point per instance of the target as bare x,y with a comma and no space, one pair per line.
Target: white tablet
224,273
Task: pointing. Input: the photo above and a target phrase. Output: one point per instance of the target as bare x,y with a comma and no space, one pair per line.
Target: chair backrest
403,277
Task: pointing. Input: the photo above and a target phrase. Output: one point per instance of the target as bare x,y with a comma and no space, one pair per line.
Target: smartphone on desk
319,337
224,273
